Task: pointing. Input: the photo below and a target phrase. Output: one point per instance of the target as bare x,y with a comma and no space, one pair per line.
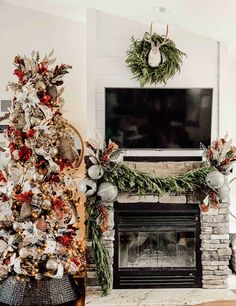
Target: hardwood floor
219,303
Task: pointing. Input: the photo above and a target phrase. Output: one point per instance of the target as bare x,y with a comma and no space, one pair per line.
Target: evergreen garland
138,64
131,180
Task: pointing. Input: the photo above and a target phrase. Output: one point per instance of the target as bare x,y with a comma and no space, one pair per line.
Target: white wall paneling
107,46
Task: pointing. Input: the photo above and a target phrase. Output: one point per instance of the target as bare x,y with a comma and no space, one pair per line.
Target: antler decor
154,59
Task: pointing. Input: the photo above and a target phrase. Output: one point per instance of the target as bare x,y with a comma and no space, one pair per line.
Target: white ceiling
213,18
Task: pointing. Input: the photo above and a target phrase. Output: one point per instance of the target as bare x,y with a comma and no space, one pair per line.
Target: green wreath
138,63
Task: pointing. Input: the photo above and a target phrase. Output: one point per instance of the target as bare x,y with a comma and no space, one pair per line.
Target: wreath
138,53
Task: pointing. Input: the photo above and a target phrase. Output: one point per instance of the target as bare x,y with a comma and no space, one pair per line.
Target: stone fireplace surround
214,236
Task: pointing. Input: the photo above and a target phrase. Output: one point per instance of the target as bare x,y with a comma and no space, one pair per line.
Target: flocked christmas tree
38,219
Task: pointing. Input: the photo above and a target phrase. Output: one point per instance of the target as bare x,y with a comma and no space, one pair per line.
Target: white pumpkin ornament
108,192
88,186
228,169
95,172
52,265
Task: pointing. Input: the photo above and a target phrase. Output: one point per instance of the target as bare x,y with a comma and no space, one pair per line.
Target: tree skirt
43,292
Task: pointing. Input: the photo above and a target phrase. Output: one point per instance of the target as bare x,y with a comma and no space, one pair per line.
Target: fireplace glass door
158,247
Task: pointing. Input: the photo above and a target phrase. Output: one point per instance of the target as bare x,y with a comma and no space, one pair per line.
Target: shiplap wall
108,41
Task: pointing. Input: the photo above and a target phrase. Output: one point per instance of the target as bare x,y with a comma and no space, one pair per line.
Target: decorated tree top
38,219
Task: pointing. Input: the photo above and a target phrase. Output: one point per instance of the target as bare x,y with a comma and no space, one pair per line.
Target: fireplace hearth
156,246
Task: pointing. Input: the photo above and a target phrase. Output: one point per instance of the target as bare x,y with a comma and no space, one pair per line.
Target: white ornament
88,186
15,155
52,265
24,253
108,192
17,226
37,177
95,172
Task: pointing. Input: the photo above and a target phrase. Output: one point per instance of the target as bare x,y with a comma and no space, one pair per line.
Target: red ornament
25,153
19,73
30,133
12,147
42,69
65,163
24,197
46,100
65,240
2,177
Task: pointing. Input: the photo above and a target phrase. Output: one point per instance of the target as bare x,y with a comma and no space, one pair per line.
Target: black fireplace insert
157,246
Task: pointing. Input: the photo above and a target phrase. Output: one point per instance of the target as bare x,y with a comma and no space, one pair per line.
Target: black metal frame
125,278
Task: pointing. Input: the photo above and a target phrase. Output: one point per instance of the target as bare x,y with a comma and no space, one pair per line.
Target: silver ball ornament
88,186
17,226
215,179
95,172
108,192
52,265
35,121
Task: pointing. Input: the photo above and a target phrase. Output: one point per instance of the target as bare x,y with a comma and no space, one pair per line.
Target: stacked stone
215,247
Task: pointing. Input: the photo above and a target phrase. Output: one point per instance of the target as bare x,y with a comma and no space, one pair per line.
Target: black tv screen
158,118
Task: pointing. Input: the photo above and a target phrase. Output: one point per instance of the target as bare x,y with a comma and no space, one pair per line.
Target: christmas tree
38,220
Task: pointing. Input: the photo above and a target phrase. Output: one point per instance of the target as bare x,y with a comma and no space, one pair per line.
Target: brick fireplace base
214,226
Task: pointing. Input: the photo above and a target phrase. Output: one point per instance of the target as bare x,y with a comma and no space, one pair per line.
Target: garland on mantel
106,176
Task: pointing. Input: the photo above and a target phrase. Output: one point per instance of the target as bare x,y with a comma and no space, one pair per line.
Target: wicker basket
38,293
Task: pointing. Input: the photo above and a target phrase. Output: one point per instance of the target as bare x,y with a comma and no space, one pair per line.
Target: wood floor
219,303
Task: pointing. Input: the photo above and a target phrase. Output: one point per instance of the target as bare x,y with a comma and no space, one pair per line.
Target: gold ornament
40,85
46,204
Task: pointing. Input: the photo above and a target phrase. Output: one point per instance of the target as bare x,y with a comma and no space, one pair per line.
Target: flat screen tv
150,118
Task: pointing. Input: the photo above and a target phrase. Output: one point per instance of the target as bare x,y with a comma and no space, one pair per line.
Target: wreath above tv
154,59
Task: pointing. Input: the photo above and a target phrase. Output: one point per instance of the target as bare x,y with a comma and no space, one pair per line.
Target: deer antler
166,39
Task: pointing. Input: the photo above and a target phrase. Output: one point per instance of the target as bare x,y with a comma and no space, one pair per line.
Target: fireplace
156,245
153,243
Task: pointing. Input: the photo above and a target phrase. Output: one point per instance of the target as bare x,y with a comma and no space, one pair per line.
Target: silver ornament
46,204
95,172
52,265
215,179
88,186
108,192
